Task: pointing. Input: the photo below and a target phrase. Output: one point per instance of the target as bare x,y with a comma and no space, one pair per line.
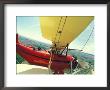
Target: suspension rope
56,34
62,28
59,32
50,61
87,39
58,28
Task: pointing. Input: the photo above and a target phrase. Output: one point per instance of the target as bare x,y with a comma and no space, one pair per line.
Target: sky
29,26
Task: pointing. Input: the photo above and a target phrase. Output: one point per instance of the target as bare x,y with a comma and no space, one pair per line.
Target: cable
58,28
61,25
87,39
62,28
50,61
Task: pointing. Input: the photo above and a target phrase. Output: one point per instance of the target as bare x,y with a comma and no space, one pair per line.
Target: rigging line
58,29
87,39
50,61
62,28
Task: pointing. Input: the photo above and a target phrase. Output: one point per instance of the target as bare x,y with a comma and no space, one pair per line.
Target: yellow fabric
61,30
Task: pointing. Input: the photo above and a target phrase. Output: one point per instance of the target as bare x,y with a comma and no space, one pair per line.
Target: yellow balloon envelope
61,30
